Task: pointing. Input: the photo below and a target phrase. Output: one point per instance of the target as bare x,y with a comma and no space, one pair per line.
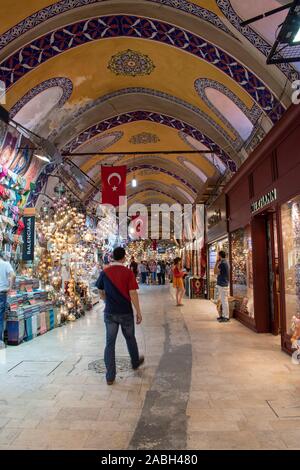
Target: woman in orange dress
178,275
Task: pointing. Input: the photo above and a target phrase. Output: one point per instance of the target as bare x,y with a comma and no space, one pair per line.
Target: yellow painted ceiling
175,73
169,140
145,197
14,11
160,178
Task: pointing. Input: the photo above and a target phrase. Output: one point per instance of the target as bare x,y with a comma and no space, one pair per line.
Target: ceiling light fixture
134,180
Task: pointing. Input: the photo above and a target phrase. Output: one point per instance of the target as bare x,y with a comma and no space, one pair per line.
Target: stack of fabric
30,313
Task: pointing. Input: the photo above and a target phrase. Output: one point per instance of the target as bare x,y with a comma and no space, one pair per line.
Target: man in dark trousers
222,271
118,289
134,266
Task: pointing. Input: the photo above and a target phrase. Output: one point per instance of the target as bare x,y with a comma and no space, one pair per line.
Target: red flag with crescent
113,184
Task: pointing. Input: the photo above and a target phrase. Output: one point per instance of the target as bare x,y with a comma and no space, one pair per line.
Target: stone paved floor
204,386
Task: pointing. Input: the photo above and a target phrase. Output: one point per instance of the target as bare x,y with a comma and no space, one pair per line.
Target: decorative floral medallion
131,63
122,364
144,138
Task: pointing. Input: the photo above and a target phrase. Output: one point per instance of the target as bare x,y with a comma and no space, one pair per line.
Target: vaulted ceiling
144,75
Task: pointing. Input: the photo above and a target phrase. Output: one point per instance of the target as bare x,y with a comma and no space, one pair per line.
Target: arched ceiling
127,76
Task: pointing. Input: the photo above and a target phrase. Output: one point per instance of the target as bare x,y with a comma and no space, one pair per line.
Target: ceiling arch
170,99
76,52
52,44
61,7
153,117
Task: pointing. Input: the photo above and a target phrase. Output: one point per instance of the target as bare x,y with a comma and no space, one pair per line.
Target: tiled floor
232,388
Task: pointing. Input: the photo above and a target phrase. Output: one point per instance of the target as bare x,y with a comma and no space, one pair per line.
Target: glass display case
290,217
242,271
213,250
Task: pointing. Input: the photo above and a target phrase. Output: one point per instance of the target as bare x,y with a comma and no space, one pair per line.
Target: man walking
222,271
7,278
118,288
143,272
163,273
134,267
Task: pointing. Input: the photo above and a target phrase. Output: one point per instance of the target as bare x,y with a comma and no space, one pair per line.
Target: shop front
217,240
263,210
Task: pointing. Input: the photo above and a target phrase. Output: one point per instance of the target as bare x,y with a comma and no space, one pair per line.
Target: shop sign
28,238
215,218
265,200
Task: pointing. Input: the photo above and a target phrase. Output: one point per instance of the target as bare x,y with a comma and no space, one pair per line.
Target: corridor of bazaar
149,225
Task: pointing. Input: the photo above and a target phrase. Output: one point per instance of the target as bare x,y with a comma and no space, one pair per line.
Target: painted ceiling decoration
153,190
253,114
158,170
176,74
144,138
145,91
154,117
147,185
130,169
131,63
253,37
62,82
148,166
63,6
73,35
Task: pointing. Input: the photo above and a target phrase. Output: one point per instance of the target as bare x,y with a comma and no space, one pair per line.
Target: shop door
273,272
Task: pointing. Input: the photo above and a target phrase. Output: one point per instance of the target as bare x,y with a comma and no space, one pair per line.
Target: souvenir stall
67,252
29,310
194,257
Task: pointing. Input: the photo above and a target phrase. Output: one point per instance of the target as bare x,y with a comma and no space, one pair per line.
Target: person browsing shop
7,279
178,275
118,288
222,271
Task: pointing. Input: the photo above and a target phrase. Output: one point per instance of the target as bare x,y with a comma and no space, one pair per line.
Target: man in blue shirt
118,288
222,271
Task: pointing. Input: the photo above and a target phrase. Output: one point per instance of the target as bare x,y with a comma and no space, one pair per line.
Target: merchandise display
67,257
12,201
290,213
242,272
30,312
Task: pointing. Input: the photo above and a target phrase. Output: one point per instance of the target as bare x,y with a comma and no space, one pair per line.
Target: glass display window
213,250
242,271
290,217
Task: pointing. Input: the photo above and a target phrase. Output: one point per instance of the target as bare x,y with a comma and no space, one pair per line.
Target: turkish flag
113,184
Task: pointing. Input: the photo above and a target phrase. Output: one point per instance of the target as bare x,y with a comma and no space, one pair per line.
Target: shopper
153,270
143,272
169,272
163,273
222,271
158,272
118,289
7,279
134,266
178,275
